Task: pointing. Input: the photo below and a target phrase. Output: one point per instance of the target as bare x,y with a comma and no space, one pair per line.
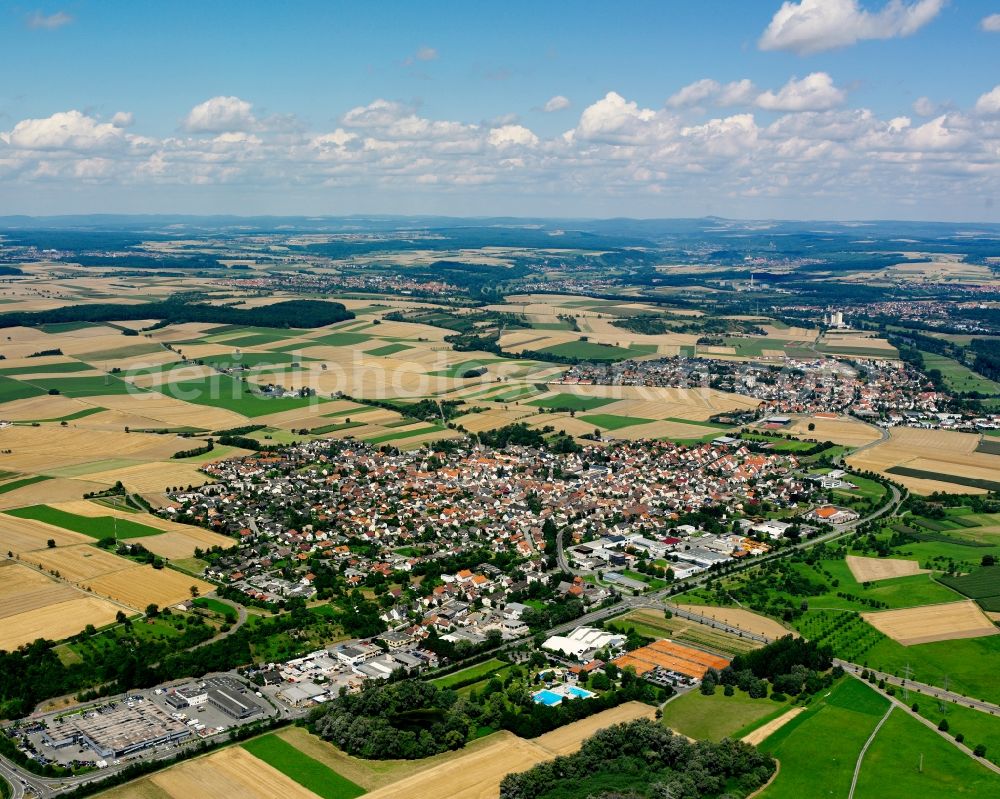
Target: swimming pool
547,697
579,693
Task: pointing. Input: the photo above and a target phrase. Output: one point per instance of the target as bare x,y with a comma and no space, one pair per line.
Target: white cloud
924,106
220,114
814,92
619,155
123,119
991,24
48,22
738,92
557,103
67,130
512,136
989,104
694,93
812,26
426,54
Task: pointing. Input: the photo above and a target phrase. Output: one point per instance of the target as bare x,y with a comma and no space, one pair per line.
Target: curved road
241,618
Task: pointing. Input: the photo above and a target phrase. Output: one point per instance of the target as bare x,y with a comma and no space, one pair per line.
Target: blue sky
96,108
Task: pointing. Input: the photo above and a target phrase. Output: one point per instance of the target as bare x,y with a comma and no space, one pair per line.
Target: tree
811,426
152,610
194,592
120,617
943,726
980,750
51,543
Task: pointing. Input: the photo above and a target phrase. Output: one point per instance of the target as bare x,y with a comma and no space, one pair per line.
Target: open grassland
717,716
818,749
930,623
871,569
907,760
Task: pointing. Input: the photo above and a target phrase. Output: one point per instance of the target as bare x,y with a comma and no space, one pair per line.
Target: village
886,393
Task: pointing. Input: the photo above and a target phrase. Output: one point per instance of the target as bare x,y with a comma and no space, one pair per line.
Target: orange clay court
675,657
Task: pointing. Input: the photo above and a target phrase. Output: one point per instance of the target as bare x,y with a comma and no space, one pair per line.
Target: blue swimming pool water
547,697
580,693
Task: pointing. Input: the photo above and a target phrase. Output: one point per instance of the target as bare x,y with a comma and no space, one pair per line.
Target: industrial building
120,731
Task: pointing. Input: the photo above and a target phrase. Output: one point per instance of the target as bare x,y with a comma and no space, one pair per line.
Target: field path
864,749
763,732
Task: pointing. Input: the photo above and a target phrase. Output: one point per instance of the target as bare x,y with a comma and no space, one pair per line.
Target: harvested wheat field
227,774
929,623
567,739
42,450
477,774
941,452
742,619
56,621
22,589
870,569
141,585
80,562
761,734
182,543
156,476
25,535
46,491
848,432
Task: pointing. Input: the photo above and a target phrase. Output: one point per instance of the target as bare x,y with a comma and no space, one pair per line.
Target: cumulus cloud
422,54
807,147
991,24
739,92
812,26
49,22
220,114
557,103
924,106
66,130
512,136
814,92
989,104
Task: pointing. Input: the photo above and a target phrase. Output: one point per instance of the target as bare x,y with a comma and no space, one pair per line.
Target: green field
968,482
819,748
307,772
72,417
977,727
11,389
13,485
221,391
611,422
591,351
388,349
983,585
570,402
906,760
718,716
958,377
94,526
91,386
214,605
419,431
249,359
472,673
46,369
340,339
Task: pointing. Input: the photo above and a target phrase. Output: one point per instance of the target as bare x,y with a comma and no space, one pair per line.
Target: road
241,618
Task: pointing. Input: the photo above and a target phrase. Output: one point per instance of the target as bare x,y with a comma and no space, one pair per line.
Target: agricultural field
652,624
872,569
823,743
307,772
33,605
930,623
931,460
